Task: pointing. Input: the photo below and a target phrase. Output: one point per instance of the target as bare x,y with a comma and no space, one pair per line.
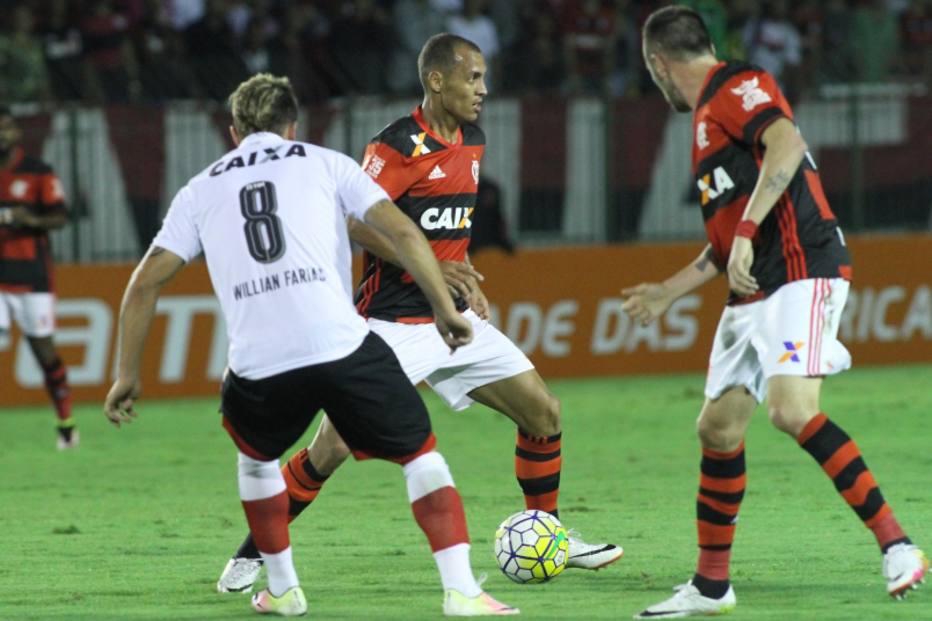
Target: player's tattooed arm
706,260
777,182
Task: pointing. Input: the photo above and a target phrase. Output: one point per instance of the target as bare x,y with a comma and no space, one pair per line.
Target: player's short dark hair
263,103
677,31
439,54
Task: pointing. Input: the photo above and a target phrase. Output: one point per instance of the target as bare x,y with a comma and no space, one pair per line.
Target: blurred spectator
473,25
808,17
163,69
183,13
489,228
773,43
413,22
588,46
626,51
211,50
916,34
836,64
110,60
878,41
64,51
241,12
740,13
23,77
358,42
262,53
536,61
506,15
304,39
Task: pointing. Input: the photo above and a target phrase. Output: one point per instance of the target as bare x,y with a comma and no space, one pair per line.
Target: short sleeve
389,169
51,193
179,232
747,104
356,190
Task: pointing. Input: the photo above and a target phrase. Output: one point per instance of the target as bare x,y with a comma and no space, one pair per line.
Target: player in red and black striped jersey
428,162
770,227
31,204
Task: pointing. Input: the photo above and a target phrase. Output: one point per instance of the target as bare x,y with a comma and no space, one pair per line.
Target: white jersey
270,219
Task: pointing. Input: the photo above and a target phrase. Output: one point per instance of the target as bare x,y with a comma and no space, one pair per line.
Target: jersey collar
258,137
418,115
705,83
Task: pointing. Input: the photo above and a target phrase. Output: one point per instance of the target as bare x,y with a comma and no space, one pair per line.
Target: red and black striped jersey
800,237
25,254
434,182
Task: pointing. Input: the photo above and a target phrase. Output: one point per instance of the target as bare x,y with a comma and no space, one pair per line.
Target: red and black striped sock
537,467
841,460
56,383
722,481
303,482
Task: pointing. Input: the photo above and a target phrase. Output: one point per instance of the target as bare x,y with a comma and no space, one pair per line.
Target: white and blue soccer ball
531,547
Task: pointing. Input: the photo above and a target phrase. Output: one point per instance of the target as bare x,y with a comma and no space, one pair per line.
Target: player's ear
234,136
291,131
435,81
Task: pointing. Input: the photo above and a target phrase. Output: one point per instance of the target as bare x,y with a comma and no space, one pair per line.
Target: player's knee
426,474
550,416
718,436
789,418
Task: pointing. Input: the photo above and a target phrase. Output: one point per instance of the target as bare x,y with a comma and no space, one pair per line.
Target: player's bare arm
418,259
157,268
784,151
648,301
23,216
461,277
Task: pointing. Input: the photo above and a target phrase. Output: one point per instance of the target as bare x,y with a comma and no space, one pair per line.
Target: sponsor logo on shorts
792,349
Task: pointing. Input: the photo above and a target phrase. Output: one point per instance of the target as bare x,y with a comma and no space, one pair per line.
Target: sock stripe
706,513
872,505
723,455
730,468
841,459
879,517
532,456
734,485
311,471
540,485
539,439
724,508
543,502
715,536
857,494
733,498
846,478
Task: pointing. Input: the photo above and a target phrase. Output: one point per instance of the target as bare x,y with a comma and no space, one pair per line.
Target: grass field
138,522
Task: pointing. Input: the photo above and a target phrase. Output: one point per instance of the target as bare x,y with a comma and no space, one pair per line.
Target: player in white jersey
270,219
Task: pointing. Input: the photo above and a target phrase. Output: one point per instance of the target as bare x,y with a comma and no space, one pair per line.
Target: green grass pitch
138,522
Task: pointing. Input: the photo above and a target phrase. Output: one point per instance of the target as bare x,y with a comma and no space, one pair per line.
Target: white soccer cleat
291,603
239,575
689,602
68,438
455,604
584,555
904,567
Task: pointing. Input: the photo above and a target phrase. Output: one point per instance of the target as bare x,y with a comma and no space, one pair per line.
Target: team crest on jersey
702,139
713,185
374,166
419,147
475,171
751,94
19,188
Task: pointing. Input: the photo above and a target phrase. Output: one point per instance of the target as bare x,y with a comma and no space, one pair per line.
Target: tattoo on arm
777,182
156,251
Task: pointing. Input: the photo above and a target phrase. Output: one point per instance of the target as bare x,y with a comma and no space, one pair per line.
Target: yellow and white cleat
905,567
291,603
455,604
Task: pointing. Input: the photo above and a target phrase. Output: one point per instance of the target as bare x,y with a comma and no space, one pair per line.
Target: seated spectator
358,41
23,78
878,41
535,64
837,63
261,53
64,50
773,42
211,49
110,60
916,34
163,69
587,44
413,22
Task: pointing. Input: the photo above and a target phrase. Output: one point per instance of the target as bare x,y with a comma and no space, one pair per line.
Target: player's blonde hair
263,103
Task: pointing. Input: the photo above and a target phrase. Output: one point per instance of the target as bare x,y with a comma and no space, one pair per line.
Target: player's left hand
461,278
479,303
118,406
739,267
17,216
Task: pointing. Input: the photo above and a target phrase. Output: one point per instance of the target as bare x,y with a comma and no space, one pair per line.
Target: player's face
464,87
660,73
9,134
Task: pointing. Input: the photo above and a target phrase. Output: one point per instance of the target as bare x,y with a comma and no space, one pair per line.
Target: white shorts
34,313
792,332
423,355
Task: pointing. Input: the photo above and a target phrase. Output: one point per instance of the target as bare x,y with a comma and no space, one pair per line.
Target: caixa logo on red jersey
446,218
714,184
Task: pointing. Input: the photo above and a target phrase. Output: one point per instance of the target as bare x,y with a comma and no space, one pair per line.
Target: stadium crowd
155,50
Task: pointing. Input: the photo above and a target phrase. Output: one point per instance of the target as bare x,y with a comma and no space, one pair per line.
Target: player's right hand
461,278
645,302
455,330
118,407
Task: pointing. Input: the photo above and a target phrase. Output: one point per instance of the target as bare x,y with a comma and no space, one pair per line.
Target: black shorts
367,396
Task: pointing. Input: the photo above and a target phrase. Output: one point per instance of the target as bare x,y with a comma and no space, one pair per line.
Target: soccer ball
531,547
